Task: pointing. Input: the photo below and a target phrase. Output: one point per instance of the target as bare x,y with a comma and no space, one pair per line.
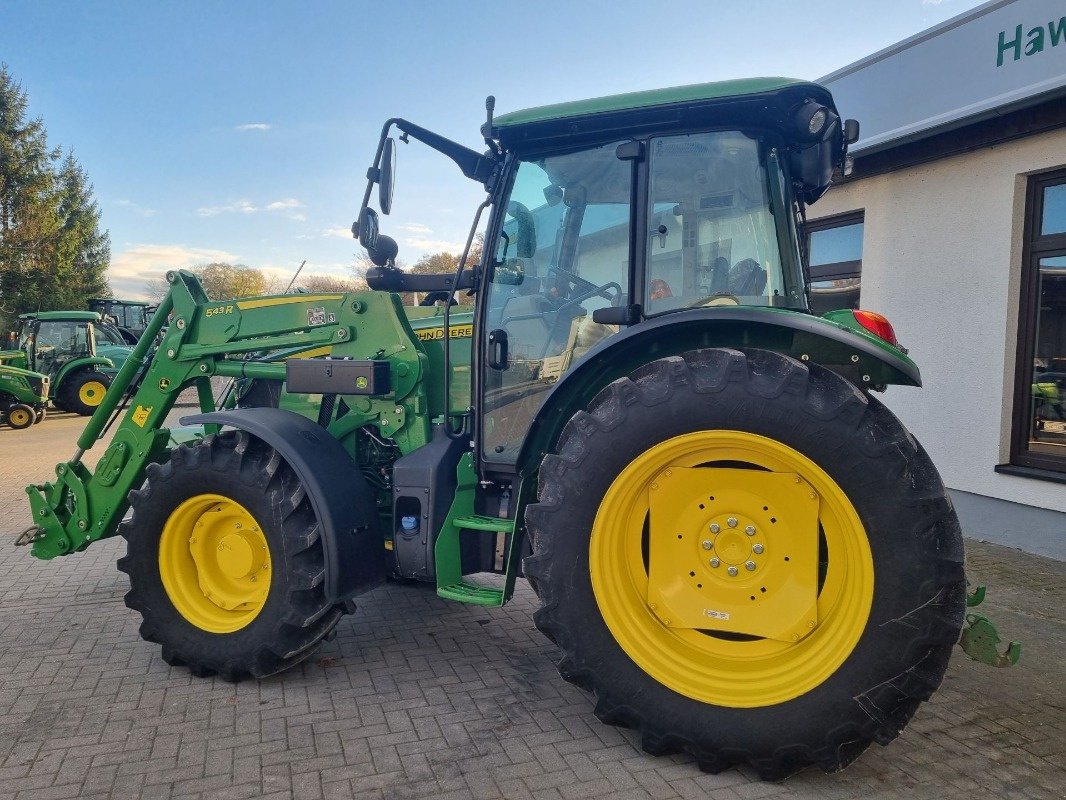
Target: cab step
464,591
476,522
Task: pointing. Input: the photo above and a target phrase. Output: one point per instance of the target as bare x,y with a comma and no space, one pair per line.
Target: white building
953,225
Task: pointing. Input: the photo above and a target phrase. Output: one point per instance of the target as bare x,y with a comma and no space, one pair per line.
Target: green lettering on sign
1034,40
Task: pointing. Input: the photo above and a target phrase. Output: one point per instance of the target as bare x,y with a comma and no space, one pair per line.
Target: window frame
837,269
1035,246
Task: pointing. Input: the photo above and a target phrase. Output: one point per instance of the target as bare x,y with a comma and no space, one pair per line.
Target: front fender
342,500
82,363
861,358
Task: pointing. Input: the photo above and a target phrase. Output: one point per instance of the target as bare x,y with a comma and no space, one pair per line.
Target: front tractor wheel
747,559
20,415
225,560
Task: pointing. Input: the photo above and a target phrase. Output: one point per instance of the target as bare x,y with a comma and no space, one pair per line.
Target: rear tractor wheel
747,559
83,391
226,562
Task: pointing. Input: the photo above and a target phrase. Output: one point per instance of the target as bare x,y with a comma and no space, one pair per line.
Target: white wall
942,255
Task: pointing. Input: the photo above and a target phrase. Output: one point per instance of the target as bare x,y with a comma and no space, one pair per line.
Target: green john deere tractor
23,396
78,355
128,317
736,545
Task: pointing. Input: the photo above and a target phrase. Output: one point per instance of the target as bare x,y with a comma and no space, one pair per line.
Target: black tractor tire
70,392
42,415
918,592
19,416
296,615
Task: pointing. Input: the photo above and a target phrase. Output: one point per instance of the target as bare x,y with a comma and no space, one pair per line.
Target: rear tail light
876,324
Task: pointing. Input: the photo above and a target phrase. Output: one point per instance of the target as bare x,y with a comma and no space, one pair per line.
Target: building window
834,253
1039,436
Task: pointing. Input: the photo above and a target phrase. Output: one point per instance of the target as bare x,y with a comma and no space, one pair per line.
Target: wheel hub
215,563
734,550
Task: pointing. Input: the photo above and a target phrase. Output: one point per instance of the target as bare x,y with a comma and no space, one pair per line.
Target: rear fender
342,501
861,358
77,364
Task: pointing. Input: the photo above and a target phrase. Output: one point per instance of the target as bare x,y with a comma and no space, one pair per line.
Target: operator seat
747,278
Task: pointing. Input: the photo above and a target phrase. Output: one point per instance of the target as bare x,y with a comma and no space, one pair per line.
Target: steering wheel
586,288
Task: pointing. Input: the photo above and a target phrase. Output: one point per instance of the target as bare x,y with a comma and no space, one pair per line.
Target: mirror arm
474,165
394,279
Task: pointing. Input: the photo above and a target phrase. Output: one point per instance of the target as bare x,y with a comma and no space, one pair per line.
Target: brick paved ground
416,697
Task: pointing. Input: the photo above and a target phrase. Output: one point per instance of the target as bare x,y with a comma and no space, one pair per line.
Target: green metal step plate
464,592
476,522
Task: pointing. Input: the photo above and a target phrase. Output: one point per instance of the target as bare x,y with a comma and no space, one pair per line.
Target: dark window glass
1049,361
834,247
1054,216
1039,437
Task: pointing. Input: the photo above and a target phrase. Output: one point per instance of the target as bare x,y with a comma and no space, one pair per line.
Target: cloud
240,206
433,245
253,126
280,205
144,212
141,262
337,233
416,227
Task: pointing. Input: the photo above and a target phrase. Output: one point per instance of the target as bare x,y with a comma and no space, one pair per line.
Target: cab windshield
713,227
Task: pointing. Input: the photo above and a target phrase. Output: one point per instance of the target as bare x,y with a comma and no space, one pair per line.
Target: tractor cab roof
71,316
755,102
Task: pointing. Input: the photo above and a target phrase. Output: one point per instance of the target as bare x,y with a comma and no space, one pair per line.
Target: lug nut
715,563
731,522
750,530
757,549
707,545
749,566
732,571
715,527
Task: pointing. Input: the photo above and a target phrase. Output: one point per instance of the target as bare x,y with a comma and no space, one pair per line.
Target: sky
242,131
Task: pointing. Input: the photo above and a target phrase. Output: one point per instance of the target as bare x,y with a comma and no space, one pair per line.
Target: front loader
737,547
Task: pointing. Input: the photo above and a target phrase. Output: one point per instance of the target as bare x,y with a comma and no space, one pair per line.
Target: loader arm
206,338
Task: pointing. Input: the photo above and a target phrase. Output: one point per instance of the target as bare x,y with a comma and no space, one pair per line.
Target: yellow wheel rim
739,673
91,393
19,417
214,562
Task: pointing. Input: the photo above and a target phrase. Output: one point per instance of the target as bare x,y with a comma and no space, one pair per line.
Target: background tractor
129,317
63,345
23,396
737,547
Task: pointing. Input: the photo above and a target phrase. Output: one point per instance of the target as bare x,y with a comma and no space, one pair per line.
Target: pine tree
52,253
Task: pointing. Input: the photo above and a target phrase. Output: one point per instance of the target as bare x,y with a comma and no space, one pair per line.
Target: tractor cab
128,317
50,341
609,214
64,346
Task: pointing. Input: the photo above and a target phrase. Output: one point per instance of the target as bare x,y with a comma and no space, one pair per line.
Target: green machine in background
130,317
736,545
63,345
23,396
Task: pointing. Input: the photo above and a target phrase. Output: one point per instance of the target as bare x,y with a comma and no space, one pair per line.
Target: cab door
563,252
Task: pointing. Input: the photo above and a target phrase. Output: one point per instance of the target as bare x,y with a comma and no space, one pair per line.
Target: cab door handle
498,349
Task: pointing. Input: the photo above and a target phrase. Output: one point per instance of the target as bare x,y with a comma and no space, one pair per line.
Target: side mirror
851,131
366,228
387,176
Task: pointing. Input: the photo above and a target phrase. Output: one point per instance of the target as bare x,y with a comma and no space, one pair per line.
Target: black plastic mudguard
342,501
